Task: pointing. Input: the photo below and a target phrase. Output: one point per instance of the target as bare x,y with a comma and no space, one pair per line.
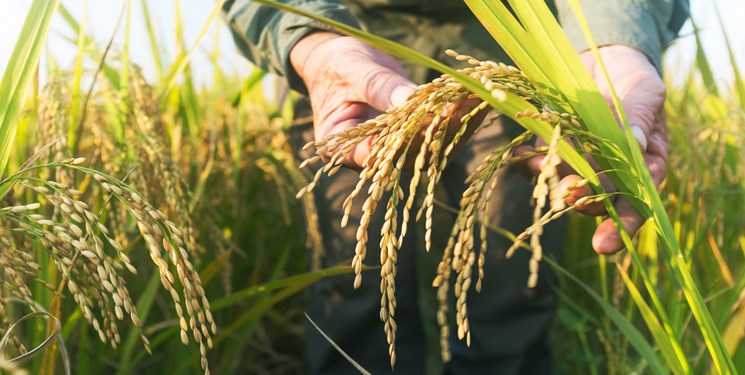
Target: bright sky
102,17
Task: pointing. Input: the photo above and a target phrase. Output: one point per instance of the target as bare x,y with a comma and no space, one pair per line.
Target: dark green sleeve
266,35
647,25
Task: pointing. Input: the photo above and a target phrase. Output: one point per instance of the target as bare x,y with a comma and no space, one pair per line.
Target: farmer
348,82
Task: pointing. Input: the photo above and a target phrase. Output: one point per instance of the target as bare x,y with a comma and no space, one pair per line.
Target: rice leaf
667,343
20,71
635,337
703,62
739,82
155,48
722,361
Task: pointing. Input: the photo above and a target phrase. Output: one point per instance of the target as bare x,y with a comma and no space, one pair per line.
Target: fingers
641,110
657,151
574,187
383,88
607,239
400,94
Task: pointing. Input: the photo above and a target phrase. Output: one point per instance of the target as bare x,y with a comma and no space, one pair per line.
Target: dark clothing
509,322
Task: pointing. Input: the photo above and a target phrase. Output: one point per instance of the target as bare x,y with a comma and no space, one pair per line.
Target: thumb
383,88
641,106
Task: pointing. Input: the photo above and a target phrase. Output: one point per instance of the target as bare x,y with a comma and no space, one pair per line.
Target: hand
642,95
350,82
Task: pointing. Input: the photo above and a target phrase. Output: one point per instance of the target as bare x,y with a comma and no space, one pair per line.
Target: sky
102,15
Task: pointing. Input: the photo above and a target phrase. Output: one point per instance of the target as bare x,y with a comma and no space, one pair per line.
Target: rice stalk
421,136
92,261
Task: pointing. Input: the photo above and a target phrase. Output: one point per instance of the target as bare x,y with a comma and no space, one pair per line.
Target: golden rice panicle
459,254
545,189
5,321
442,283
388,256
11,368
462,240
392,149
546,183
53,114
163,237
160,176
76,240
16,267
426,118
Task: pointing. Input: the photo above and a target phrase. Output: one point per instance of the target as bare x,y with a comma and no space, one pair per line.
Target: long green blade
739,82
668,347
20,71
632,334
155,48
712,337
703,62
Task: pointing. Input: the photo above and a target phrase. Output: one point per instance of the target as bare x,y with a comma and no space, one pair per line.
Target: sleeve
266,35
647,25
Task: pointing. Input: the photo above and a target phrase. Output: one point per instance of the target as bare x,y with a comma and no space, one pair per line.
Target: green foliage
19,72
675,302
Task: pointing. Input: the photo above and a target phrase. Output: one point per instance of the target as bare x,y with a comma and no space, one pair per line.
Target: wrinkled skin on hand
350,82
642,95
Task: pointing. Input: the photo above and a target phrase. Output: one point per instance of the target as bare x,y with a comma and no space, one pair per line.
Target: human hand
642,95
350,82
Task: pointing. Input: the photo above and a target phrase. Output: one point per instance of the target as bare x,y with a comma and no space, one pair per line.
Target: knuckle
372,80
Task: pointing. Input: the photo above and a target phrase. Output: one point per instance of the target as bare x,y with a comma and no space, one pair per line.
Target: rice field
153,225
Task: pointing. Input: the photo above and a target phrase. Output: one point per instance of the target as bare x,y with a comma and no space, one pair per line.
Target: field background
199,120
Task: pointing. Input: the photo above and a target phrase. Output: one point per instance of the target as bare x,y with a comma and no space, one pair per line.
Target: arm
646,25
347,81
266,35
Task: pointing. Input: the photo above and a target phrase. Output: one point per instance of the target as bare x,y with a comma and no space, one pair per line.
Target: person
348,81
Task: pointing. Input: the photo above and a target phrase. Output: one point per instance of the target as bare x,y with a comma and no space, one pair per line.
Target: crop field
164,225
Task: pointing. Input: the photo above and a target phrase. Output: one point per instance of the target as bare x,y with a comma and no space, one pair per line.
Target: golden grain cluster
420,137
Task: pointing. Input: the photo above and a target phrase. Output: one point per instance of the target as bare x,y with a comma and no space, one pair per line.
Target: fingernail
400,94
607,245
640,137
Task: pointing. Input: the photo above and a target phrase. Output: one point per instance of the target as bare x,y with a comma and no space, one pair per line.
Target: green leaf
19,73
703,62
305,279
667,343
712,337
636,339
739,82
144,304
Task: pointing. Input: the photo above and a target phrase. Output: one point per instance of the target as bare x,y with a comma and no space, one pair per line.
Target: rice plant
76,233
525,36
397,140
76,243
132,175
